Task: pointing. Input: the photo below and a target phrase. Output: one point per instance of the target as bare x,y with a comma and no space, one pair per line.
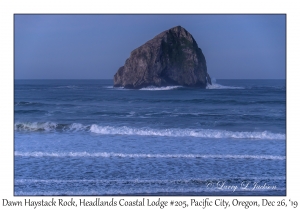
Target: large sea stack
170,58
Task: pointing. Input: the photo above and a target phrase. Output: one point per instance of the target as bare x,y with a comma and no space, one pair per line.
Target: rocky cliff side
170,58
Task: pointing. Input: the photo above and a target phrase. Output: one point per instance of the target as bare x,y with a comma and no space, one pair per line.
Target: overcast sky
95,46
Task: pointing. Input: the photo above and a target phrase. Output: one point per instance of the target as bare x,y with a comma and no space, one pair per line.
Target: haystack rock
170,58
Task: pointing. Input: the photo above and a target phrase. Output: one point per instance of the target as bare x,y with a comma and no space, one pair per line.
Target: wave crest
153,88
203,133
214,85
49,126
36,126
124,130
124,155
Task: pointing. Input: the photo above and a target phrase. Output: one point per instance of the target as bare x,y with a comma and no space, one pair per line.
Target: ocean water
84,137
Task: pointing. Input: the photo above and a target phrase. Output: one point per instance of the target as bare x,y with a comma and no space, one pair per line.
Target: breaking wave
116,88
49,126
147,181
151,88
124,130
215,85
161,88
174,132
124,155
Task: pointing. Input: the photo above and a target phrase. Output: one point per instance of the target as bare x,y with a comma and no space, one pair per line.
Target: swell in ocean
122,155
86,137
125,130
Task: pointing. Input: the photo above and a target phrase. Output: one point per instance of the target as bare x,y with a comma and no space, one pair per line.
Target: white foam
214,85
170,132
144,181
36,126
202,133
145,88
144,190
153,88
67,86
217,86
116,88
78,127
128,191
124,155
49,126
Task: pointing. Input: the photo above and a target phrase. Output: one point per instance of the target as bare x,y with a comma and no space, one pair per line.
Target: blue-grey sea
84,137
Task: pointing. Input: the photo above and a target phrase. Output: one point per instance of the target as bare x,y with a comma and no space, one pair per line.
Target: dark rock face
171,58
